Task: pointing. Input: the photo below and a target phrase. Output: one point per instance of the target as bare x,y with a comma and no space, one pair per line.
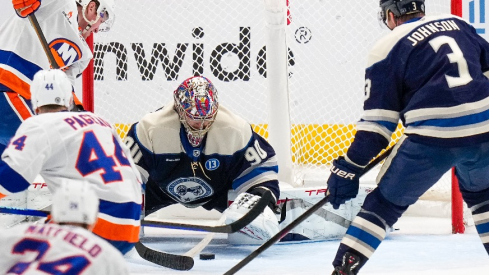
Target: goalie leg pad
264,227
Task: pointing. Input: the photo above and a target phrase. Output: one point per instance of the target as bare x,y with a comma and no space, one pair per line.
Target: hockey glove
343,183
259,191
264,227
26,7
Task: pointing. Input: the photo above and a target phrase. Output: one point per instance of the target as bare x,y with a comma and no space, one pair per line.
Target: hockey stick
175,261
226,228
297,221
25,212
42,39
178,262
205,241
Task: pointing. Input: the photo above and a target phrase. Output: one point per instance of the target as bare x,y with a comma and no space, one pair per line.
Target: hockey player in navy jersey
429,73
194,151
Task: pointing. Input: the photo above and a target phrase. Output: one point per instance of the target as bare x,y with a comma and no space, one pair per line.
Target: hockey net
155,45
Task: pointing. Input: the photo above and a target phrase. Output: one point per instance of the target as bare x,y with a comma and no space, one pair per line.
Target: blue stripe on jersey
11,180
363,236
23,66
252,174
122,246
455,121
124,210
482,228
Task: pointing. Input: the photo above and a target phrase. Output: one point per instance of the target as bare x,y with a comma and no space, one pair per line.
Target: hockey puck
207,256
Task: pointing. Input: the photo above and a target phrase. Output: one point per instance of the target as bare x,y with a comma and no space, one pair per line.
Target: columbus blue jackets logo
187,190
66,52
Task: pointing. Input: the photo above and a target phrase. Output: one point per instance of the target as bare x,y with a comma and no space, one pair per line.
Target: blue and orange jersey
78,145
22,54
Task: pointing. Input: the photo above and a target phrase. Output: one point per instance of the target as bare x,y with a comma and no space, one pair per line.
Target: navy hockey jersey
428,73
231,156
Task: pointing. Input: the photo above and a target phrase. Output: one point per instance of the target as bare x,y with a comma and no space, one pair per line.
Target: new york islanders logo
65,52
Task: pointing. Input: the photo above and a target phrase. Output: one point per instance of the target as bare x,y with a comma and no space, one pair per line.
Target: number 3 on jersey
93,158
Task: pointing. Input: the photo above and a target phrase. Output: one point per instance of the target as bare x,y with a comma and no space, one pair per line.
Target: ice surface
418,246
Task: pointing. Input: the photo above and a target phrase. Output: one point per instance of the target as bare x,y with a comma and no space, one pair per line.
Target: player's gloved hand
26,7
344,181
263,227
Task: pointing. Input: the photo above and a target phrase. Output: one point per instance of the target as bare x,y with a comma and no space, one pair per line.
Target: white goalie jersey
52,248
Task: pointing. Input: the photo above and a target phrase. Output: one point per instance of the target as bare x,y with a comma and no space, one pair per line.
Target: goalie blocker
326,223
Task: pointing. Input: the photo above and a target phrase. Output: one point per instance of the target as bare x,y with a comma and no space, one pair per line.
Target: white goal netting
156,44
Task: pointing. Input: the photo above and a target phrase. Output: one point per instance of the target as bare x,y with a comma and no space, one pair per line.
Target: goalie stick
175,261
225,228
297,221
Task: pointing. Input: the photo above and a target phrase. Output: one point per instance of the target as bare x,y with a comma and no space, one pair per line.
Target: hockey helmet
75,202
196,101
400,7
106,9
51,87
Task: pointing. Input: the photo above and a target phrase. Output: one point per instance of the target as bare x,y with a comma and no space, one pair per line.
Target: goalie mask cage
293,68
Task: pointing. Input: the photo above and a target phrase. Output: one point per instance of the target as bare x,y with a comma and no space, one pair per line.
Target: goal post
293,68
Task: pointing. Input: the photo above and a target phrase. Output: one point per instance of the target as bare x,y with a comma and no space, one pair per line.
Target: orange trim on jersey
116,232
12,81
2,195
76,100
19,105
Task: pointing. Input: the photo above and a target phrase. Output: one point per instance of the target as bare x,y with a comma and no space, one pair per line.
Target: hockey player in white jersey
58,144
64,24
65,246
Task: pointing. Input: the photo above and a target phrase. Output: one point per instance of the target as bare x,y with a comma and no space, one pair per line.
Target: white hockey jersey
21,53
78,145
51,248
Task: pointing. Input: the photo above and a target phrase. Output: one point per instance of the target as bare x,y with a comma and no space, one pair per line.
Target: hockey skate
350,263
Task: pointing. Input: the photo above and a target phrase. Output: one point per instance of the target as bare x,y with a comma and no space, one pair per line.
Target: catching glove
26,7
344,181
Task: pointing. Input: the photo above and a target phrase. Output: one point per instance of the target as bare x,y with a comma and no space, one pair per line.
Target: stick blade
177,262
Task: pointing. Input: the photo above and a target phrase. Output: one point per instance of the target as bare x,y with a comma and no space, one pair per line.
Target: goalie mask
75,202
105,10
196,104
399,8
51,87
